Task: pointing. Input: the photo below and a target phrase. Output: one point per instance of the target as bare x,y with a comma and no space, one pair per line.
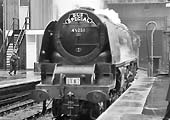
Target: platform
138,98
22,77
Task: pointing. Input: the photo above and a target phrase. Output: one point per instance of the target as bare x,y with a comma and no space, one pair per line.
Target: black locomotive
87,61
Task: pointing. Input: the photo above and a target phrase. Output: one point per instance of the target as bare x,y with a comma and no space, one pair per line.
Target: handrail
6,38
19,43
20,36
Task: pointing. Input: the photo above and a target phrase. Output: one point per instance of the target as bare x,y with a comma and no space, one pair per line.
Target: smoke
96,4
60,7
110,13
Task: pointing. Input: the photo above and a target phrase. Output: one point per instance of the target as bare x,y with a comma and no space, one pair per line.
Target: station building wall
136,16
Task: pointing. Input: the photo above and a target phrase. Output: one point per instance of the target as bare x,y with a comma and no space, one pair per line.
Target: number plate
73,81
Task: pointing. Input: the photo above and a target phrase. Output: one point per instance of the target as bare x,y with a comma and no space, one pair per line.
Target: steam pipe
151,57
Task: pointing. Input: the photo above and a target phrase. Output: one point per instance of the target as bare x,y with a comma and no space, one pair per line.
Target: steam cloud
64,6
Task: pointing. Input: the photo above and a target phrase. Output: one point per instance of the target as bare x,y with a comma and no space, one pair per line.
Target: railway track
15,102
25,110
4,110
13,93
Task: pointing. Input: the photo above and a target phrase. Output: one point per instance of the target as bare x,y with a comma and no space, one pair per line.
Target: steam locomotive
87,61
